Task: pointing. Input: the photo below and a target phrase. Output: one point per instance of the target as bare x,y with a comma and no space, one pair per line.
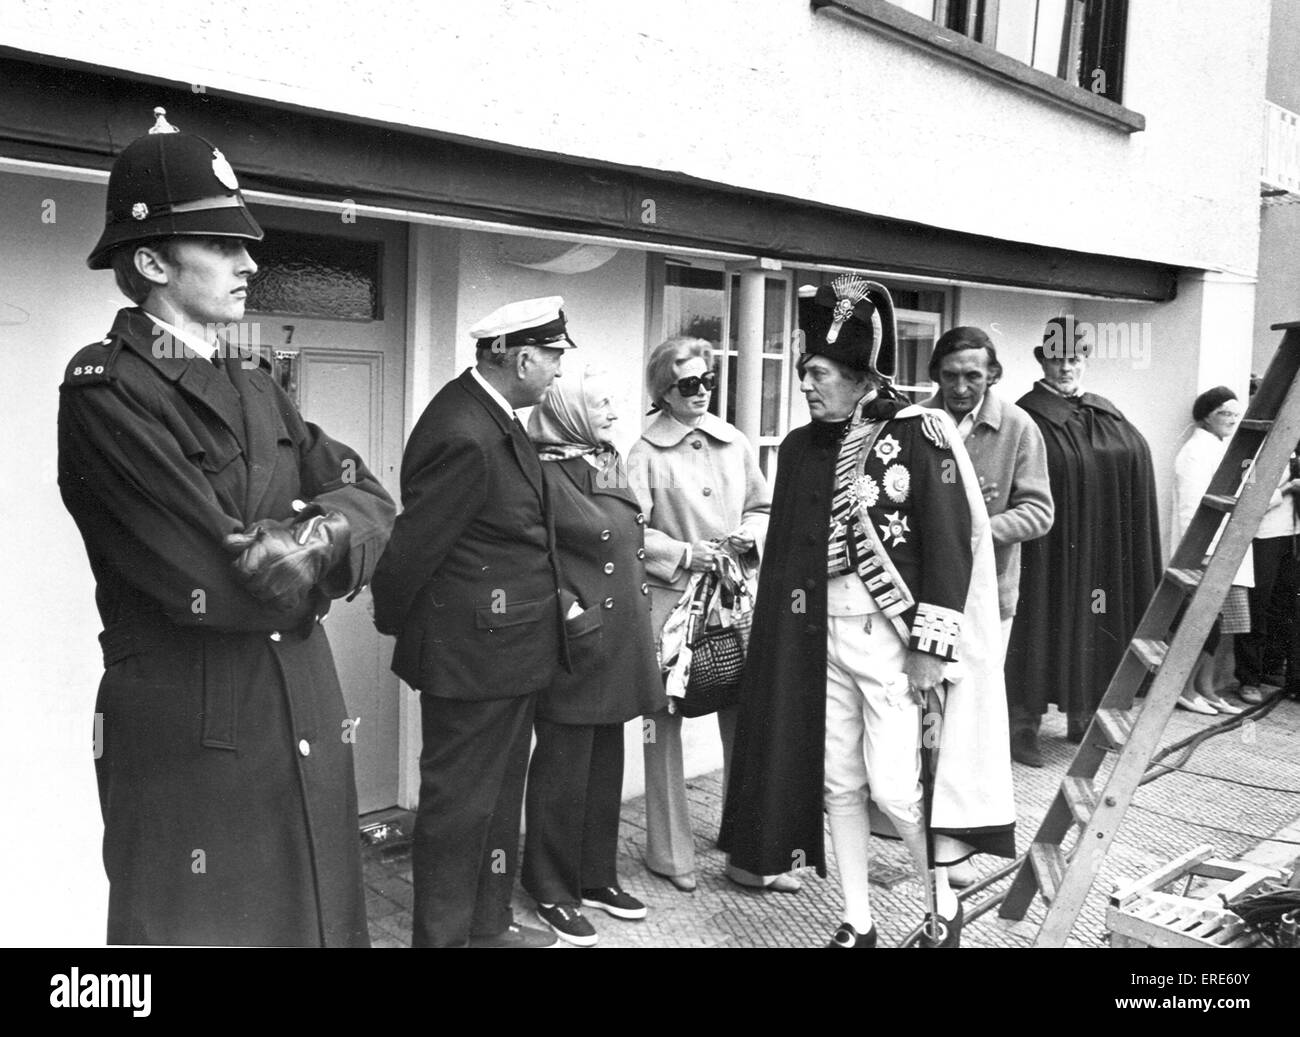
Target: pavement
1238,791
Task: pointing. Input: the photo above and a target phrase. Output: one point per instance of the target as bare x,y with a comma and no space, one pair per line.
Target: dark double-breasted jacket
468,583
600,536
225,773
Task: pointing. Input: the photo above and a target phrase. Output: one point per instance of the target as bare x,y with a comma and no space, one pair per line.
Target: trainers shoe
568,924
848,937
614,901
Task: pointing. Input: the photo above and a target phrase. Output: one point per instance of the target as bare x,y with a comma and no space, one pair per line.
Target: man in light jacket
1009,456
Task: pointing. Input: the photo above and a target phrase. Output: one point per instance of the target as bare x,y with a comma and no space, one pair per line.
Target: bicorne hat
836,322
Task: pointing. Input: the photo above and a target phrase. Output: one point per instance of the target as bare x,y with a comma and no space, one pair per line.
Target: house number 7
288,334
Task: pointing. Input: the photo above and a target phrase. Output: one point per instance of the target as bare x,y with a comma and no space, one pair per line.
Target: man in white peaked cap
468,585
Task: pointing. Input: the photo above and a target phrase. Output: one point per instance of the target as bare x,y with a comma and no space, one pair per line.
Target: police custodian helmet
169,183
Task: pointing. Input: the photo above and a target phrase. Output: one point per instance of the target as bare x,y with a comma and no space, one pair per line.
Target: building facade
667,168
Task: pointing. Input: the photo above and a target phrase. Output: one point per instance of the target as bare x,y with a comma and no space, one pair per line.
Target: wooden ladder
1166,644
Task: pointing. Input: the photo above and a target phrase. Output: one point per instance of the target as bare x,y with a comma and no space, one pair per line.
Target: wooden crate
1144,913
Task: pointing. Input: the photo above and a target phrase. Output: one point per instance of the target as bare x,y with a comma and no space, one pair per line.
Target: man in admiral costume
878,597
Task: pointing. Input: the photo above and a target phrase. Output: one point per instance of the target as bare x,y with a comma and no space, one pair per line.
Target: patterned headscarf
561,424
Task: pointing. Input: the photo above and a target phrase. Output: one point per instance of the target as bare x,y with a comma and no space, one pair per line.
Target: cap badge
139,211
849,291
221,169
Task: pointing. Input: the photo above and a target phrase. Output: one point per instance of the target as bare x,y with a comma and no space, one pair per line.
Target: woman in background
575,778
1216,412
699,484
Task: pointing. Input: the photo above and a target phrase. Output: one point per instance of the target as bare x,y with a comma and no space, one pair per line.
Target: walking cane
937,930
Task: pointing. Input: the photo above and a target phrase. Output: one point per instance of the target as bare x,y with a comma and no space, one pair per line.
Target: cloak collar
666,432
1057,409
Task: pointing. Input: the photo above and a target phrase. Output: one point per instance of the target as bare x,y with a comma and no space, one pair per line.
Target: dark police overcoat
226,775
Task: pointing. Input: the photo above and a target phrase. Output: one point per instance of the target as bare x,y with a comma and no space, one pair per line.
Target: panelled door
330,296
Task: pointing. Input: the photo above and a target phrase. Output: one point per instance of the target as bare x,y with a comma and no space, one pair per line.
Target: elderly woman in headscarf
575,779
1216,413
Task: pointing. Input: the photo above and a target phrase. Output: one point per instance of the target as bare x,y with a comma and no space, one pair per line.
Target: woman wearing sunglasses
699,484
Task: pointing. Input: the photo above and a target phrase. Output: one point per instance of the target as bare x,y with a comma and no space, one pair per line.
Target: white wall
50,306
605,309
762,94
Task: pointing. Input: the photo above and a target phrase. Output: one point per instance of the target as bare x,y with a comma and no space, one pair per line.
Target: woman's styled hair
955,339
661,369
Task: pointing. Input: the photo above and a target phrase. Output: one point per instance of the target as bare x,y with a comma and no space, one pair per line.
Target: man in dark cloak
1085,585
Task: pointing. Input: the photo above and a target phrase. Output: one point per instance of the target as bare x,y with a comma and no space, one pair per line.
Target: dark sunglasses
690,386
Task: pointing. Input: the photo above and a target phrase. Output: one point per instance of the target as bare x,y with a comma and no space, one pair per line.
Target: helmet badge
139,211
221,169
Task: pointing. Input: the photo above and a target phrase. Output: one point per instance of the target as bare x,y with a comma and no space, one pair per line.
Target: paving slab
1238,791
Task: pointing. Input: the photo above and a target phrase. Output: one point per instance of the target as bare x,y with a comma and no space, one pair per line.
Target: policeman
218,525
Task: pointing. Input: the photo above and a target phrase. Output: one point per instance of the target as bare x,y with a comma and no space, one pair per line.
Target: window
702,300
310,275
1080,41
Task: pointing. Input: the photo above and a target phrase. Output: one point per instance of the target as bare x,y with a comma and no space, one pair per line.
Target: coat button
810,583
605,534
811,538
640,552
696,444
707,491
640,518
608,603
304,747
609,568
645,588
275,635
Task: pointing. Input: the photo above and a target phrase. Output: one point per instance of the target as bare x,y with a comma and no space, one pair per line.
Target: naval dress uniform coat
225,778
468,586
924,500
575,778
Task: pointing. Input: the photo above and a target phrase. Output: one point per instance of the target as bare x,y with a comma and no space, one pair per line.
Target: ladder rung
1188,579
1049,868
1115,724
1256,424
1081,797
1219,501
1152,653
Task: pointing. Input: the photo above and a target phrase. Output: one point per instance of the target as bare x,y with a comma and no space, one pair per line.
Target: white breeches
872,722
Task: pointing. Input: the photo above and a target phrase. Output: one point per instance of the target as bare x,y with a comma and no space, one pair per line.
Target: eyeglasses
691,385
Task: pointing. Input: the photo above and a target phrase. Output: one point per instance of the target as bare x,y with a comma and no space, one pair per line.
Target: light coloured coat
694,484
1008,453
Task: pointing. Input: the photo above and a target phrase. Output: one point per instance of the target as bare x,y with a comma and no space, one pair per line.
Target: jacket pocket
511,614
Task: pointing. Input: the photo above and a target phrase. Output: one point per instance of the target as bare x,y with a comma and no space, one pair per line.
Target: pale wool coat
693,484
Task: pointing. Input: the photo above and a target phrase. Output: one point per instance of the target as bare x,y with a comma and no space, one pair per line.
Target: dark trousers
1271,644
466,840
575,788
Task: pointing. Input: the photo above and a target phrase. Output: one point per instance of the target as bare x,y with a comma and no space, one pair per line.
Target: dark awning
82,117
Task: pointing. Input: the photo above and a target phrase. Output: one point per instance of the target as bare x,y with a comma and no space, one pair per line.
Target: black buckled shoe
949,930
848,937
